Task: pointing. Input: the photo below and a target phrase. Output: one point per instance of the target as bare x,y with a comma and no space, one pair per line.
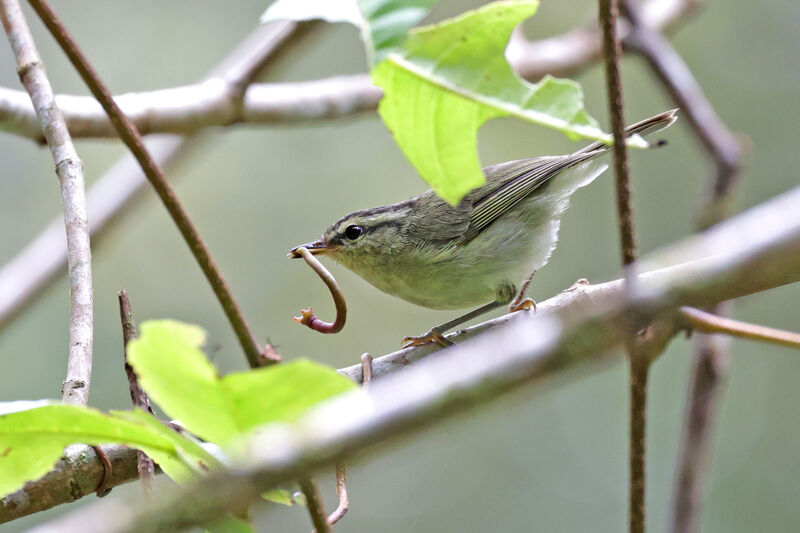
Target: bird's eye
353,232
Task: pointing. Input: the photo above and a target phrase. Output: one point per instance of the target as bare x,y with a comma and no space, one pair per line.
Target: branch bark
36,267
69,169
756,251
752,252
188,109
155,175
711,357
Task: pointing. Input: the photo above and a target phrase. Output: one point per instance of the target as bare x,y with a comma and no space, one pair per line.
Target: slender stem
341,493
130,136
315,506
710,323
639,364
35,268
146,466
711,357
69,169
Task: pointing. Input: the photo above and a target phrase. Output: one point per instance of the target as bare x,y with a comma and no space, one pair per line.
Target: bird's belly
465,276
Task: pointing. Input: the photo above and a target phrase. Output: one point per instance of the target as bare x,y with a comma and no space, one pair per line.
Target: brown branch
707,276
33,270
711,358
27,275
70,480
315,506
462,377
69,169
709,323
710,363
130,136
146,466
188,109
677,79
639,365
308,317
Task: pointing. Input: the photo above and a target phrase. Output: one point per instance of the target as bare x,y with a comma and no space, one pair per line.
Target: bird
482,252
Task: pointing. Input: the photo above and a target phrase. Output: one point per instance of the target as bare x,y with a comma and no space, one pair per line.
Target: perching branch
188,109
69,169
754,251
130,136
27,275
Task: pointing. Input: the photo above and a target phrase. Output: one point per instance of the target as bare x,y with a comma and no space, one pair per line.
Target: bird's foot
524,305
432,336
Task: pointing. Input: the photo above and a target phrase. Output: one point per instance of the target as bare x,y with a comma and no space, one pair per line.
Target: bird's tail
645,127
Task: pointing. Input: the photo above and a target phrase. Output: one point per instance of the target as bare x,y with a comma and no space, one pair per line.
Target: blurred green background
552,459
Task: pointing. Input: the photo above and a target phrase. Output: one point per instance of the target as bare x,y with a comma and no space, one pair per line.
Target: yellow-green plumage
430,253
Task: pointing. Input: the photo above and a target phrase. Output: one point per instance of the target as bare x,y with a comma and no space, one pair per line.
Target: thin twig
69,169
711,357
681,85
28,274
146,466
308,317
710,362
462,377
130,136
315,506
341,493
639,365
709,323
188,109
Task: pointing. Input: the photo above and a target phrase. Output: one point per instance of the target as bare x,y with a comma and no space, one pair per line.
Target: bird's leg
520,302
436,334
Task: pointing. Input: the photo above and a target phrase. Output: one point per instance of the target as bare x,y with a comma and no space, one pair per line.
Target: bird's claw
525,305
432,336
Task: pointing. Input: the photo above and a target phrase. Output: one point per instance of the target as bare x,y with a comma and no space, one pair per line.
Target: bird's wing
517,182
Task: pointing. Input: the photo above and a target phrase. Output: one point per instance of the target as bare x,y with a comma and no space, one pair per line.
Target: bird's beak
316,248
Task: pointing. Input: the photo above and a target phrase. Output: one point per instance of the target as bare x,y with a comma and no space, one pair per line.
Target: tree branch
711,355
188,109
735,257
754,252
69,169
155,175
25,277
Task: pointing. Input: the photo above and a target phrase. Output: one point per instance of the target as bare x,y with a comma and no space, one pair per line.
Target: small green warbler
436,255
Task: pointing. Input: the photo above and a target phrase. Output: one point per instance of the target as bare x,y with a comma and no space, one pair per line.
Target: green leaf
33,439
383,23
231,524
450,78
176,373
281,496
189,459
